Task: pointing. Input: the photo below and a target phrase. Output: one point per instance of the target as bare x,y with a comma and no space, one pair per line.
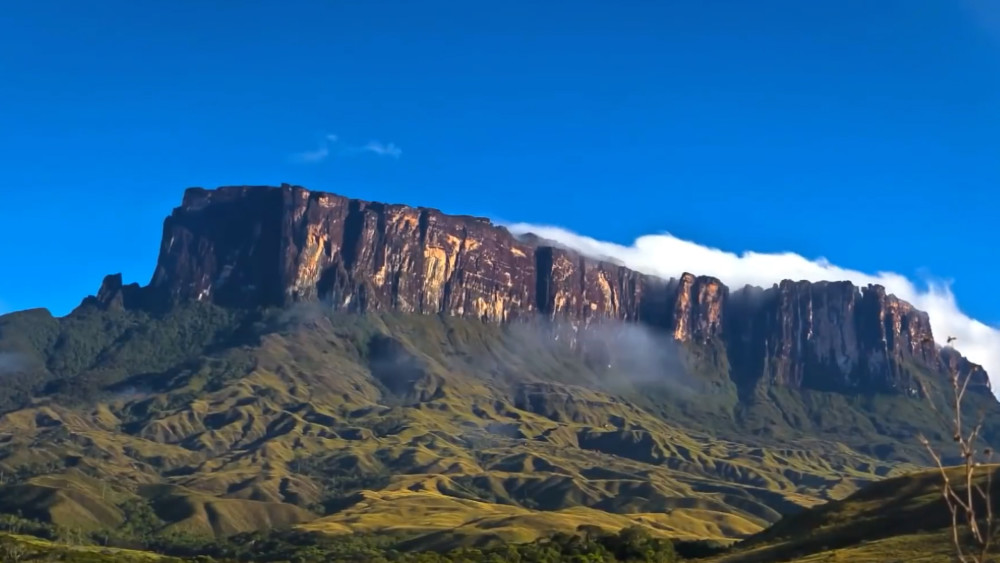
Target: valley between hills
303,363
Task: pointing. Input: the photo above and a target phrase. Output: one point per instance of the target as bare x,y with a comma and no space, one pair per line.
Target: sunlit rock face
249,246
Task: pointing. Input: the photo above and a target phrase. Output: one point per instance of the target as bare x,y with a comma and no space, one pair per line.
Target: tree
969,502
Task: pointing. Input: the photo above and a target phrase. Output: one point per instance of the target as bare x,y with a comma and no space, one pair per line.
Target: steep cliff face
833,335
256,245
250,246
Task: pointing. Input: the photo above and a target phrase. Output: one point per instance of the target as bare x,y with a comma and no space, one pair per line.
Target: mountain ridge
277,245
288,367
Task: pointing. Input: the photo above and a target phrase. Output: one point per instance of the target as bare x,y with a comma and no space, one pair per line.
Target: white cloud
667,256
325,149
319,154
390,149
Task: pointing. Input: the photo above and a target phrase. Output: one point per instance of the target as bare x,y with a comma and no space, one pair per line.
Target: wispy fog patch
130,393
667,256
305,312
639,354
618,352
622,356
11,363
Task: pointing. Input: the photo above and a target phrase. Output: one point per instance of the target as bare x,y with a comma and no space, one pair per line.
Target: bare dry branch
961,499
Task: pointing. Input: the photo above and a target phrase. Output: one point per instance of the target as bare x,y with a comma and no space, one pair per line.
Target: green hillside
898,519
450,432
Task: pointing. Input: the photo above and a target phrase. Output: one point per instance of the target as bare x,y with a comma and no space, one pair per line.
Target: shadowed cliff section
252,246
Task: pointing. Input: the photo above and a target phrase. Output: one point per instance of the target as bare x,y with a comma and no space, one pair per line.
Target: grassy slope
225,423
918,548
16,547
898,519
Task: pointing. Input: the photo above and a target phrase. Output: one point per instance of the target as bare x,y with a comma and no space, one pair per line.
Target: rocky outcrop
254,246
114,296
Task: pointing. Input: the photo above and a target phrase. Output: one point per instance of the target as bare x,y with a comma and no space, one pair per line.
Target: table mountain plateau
302,358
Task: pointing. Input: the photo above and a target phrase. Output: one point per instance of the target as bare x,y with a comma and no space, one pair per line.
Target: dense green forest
136,540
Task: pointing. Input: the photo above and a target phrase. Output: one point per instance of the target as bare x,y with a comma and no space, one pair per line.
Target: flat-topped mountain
251,246
304,359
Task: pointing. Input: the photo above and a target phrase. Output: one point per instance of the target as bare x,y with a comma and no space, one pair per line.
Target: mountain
305,359
253,246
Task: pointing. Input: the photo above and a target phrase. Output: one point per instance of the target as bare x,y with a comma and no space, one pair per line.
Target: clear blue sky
863,131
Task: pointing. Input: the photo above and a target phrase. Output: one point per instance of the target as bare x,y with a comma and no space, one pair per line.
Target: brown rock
698,306
271,246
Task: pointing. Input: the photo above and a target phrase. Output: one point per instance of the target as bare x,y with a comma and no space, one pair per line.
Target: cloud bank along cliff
667,256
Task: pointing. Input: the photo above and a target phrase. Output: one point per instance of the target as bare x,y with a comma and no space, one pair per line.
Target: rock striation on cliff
250,246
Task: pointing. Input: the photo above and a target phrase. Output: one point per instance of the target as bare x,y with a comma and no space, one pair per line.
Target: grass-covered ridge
897,519
453,432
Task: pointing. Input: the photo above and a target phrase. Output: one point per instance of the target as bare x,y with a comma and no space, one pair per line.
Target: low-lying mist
11,362
667,256
615,355
639,354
